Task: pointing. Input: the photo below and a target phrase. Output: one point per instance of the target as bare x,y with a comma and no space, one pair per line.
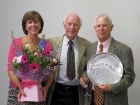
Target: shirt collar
105,43
66,40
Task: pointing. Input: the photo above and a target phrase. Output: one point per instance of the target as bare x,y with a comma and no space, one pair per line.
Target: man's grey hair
75,15
106,16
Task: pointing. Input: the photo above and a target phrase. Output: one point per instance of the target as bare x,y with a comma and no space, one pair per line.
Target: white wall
125,15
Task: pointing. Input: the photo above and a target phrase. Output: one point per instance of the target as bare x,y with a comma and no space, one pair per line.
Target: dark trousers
65,95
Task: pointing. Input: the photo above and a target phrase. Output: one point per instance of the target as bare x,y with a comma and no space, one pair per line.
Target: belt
68,95
66,87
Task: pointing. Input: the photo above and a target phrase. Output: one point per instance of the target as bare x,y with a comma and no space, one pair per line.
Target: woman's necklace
33,42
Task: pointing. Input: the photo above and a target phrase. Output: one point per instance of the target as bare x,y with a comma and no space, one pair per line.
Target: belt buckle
67,88
68,92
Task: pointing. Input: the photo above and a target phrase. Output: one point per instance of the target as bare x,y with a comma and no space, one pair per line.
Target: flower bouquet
33,68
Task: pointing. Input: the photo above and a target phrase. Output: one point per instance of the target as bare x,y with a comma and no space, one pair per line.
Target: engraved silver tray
104,68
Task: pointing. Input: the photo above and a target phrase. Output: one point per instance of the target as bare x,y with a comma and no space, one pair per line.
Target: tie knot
101,47
70,42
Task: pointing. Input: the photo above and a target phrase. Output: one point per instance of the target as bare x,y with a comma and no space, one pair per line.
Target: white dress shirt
62,76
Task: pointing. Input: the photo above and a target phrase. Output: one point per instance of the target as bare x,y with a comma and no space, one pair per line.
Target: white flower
54,61
35,54
19,59
15,59
27,46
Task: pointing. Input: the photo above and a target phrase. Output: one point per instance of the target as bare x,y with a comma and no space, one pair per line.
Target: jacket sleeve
128,77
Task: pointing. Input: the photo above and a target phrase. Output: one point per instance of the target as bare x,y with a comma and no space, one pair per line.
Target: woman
32,24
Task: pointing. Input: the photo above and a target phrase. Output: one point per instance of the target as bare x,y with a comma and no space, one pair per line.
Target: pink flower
36,54
24,59
34,66
48,49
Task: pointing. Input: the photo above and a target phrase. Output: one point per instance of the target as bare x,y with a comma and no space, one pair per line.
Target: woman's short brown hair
31,15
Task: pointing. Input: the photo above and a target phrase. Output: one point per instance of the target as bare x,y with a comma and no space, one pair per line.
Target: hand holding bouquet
34,67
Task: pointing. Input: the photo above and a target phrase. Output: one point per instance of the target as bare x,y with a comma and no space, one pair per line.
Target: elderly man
72,52
112,94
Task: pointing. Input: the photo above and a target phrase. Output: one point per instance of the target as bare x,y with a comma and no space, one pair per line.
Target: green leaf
16,65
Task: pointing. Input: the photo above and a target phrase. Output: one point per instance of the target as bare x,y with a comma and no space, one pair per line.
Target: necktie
98,93
101,48
70,62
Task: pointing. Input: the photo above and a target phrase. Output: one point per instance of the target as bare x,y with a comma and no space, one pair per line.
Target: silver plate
104,68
